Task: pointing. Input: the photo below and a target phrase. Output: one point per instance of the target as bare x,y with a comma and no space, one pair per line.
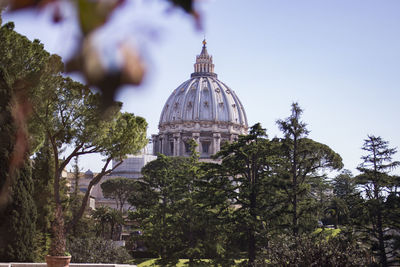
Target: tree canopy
119,189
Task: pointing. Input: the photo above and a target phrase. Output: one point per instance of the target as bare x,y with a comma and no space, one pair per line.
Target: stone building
202,108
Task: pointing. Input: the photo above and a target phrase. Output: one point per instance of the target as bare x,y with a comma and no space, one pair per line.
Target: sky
340,60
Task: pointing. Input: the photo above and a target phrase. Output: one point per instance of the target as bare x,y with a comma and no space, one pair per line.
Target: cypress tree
42,175
19,220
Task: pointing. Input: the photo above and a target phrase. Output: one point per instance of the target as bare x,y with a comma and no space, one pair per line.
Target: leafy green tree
346,200
375,180
303,160
169,210
73,120
248,165
108,221
18,224
24,70
102,216
119,189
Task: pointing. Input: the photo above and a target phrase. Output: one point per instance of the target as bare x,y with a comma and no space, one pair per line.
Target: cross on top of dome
204,65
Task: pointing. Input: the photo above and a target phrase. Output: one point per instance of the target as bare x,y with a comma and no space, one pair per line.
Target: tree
346,200
18,225
43,175
25,69
248,165
169,210
75,121
375,180
302,161
119,189
108,222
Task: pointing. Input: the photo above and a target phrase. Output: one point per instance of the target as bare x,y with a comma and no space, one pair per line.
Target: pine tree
375,180
302,161
247,165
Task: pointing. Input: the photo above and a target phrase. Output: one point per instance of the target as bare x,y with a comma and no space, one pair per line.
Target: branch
71,155
92,183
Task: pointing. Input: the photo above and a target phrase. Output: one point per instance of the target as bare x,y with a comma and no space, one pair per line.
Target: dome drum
177,144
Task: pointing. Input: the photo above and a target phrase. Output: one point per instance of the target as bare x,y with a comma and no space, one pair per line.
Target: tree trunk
251,248
251,231
295,219
58,241
382,252
294,174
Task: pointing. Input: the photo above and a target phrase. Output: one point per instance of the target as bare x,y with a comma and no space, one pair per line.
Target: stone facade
203,109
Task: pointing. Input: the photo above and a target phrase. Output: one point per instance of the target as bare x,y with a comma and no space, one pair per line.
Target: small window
187,148
205,147
171,146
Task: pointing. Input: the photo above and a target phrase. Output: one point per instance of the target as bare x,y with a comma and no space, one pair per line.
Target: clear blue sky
339,59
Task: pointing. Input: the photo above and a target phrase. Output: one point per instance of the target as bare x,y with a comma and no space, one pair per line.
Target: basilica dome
202,108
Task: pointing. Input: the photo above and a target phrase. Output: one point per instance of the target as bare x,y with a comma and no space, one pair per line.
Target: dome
202,108
88,174
203,99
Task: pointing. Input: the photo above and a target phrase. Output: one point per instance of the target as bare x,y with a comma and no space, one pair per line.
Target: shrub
96,250
313,250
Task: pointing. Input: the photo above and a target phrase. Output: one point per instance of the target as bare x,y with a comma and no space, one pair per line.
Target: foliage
108,222
43,175
72,119
247,168
169,210
25,68
302,161
376,181
313,250
18,222
344,205
7,137
119,189
97,250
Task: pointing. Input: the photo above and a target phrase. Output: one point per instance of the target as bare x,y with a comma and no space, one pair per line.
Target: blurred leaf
188,7
93,14
133,69
108,81
20,112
